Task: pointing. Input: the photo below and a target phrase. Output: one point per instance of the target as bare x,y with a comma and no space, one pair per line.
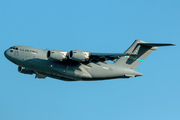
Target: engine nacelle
78,55
25,70
57,55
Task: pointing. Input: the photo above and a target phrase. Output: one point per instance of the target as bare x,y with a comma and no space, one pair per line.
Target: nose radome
5,53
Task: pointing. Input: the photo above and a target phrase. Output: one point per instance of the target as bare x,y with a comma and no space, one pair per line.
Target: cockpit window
15,48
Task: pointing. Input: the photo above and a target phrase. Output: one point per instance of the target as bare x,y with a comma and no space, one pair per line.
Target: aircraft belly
104,71
105,74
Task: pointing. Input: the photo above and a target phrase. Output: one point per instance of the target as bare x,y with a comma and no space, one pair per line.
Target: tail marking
134,58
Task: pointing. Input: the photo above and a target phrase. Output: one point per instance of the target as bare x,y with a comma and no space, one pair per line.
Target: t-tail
138,51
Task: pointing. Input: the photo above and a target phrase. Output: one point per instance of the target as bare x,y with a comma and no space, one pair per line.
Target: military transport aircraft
79,65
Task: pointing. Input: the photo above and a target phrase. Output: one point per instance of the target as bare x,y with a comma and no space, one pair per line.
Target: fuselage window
11,50
27,50
15,48
21,49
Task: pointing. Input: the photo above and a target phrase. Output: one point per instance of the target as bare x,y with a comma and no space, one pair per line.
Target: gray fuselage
37,60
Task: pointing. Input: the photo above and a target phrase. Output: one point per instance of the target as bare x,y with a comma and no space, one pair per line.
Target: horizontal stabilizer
155,44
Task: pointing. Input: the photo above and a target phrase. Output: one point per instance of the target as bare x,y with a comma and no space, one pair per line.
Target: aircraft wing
113,56
83,56
108,56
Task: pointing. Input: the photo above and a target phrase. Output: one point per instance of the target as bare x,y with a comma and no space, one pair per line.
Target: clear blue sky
96,26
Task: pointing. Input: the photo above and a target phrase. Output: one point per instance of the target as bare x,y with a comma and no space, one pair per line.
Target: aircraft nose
6,54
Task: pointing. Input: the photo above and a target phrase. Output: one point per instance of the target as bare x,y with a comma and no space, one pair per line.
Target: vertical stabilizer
139,50
139,53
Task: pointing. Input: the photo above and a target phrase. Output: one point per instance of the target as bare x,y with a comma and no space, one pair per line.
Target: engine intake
57,55
78,55
25,70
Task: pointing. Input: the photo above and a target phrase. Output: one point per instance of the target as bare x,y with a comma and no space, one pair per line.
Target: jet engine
57,55
25,70
78,55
